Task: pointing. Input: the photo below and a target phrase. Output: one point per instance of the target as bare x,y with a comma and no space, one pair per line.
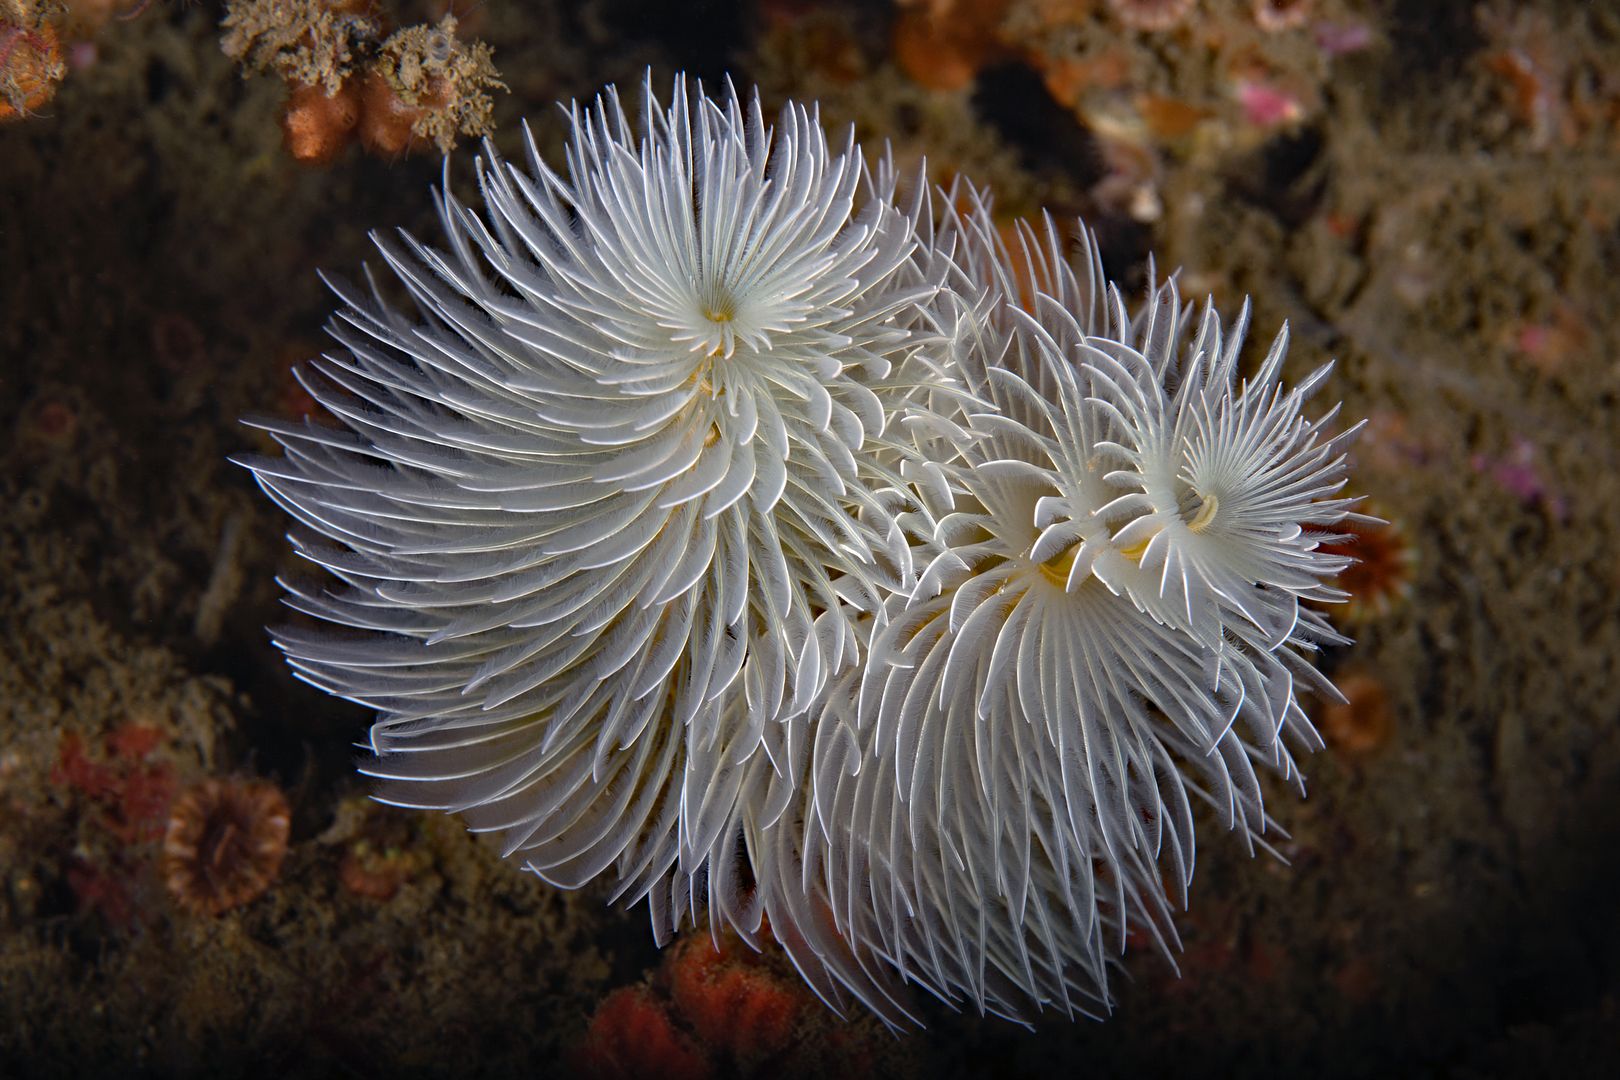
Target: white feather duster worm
1107,628
721,529
611,502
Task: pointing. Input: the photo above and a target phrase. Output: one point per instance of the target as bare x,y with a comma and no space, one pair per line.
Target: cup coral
224,844
723,528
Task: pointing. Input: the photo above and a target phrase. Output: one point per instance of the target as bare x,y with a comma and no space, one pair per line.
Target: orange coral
721,1007
317,126
374,873
632,1037
942,45
124,797
733,1001
1533,57
30,67
130,793
421,86
389,123
1360,725
225,843
1381,577
1069,78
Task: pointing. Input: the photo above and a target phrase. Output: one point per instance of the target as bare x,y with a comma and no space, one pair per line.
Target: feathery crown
722,527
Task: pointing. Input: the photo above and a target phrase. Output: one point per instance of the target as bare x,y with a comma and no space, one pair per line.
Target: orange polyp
632,1035
1359,726
318,126
943,47
1381,577
388,121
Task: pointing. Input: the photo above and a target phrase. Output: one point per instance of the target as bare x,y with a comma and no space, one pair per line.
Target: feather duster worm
1106,628
722,528
612,502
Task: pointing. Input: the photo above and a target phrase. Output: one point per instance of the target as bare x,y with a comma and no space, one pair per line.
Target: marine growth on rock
790,551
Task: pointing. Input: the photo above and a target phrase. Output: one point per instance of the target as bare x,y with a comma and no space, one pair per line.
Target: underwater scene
795,538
